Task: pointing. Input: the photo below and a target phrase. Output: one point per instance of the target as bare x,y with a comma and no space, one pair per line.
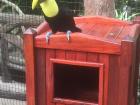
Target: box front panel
64,81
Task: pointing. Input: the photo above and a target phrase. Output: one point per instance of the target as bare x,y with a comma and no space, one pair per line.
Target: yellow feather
49,8
34,3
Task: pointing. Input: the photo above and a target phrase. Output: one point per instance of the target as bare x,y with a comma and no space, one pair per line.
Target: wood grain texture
40,64
79,42
60,54
49,76
104,58
113,81
71,102
70,55
92,57
125,70
81,56
30,66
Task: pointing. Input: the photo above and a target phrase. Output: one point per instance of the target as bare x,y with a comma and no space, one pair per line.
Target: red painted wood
100,20
70,55
87,64
106,41
71,102
113,79
59,104
49,84
81,56
92,57
40,64
60,54
125,70
103,58
79,42
30,66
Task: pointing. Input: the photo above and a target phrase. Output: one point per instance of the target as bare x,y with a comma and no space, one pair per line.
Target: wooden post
125,71
30,66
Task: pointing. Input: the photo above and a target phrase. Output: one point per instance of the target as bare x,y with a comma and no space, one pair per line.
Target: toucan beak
34,4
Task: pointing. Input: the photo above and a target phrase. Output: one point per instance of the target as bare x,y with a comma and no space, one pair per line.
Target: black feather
63,21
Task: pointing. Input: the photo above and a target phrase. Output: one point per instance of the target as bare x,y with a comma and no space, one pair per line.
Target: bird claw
68,35
48,34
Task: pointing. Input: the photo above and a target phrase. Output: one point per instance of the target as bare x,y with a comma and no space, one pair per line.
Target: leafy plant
124,15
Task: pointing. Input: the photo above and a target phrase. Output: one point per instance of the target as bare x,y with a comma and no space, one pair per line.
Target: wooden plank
87,64
113,79
49,76
59,104
71,102
79,42
104,58
81,56
125,71
70,55
92,57
60,54
101,84
100,20
30,66
40,63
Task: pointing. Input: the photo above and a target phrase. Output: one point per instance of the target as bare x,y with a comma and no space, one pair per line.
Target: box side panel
125,72
104,58
49,85
113,79
136,61
40,65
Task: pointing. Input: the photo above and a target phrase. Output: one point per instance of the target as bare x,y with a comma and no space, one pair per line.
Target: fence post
28,45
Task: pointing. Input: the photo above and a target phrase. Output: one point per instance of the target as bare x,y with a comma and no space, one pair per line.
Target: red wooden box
98,66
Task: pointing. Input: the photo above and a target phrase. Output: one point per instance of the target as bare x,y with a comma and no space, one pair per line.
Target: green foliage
123,15
127,9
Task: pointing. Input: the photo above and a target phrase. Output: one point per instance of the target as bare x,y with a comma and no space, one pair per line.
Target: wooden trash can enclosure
98,66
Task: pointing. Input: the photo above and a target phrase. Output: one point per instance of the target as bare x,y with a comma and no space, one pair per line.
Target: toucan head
49,7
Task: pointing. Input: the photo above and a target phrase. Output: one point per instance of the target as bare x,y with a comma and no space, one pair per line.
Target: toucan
59,17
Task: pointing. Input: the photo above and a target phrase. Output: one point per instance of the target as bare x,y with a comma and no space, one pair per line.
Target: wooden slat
113,79
72,102
81,56
125,72
100,20
92,57
103,58
40,63
60,54
49,76
30,67
70,55
59,104
79,42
